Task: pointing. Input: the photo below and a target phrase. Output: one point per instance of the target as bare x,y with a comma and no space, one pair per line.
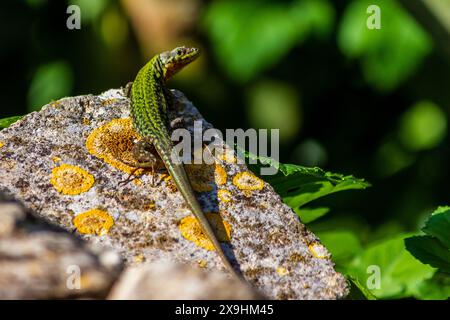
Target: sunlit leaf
387,55
430,251
299,185
400,273
6,122
423,126
50,82
308,215
438,225
436,288
343,245
249,36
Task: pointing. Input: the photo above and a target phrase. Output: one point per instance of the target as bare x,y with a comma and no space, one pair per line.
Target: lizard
150,101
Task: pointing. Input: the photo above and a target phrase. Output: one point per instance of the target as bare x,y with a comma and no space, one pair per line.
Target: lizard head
176,59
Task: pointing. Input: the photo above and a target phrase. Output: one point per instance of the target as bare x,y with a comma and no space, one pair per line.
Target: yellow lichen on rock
318,250
220,175
282,271
226,155
192,231
224,195
56,159
248,181
109,101
113,142
71,180
2,144
94,221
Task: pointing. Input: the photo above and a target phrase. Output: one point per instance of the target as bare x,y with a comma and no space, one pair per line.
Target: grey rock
269,245
41,261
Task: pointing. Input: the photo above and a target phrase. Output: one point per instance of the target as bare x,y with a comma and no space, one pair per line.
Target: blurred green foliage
59,75
389,55
383,268
249,36
423,126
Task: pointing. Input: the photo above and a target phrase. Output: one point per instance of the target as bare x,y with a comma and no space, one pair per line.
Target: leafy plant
6,122
400,274
299,185
433,248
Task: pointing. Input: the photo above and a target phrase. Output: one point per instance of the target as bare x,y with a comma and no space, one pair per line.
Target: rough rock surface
41,261
149,222
167,280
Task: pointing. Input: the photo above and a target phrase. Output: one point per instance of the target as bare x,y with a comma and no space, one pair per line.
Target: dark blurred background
372,103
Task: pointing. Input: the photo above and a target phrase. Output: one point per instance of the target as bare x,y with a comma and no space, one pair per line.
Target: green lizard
150,102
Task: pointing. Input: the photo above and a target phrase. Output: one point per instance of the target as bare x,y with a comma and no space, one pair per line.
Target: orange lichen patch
282,271
113,142
137,182
94,221
86,121
191,230
2,144
56,159
108,101
220,175
248,181
318,250
224,195
71,180
201,177
202,263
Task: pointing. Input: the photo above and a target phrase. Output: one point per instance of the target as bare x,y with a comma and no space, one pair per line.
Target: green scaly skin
150,101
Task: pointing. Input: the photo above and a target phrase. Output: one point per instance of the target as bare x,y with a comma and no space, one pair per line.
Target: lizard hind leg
145,157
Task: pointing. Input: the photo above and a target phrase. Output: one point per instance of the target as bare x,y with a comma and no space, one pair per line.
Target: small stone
165,280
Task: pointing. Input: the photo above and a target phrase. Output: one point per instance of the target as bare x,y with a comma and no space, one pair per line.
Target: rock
41,261
66,163
166,280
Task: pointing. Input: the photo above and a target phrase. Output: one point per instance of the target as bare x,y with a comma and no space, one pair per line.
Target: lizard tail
181,180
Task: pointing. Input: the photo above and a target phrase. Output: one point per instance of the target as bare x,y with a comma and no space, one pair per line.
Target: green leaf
6,122
342,244
358,291
438,225
388,55
249,36
400,273
429,250
50,82
299,185
423,126
308,215
436,288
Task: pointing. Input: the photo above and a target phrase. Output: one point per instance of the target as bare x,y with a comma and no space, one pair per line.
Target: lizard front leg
145,157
